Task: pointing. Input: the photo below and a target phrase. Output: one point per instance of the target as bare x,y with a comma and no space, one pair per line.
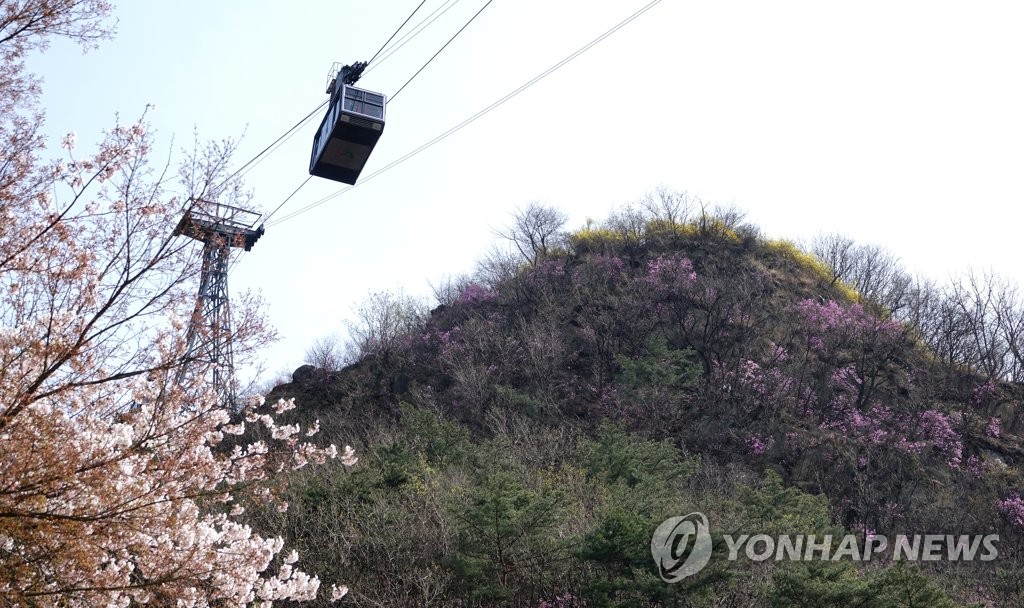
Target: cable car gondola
351,128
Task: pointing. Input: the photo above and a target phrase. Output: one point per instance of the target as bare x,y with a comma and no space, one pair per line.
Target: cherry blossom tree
121,477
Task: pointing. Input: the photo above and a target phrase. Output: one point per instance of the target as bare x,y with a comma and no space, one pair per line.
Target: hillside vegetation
520,442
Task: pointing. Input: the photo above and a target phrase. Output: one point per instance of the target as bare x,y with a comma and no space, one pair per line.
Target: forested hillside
520,441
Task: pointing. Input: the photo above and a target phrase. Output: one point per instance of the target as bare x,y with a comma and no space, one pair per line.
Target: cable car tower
219,228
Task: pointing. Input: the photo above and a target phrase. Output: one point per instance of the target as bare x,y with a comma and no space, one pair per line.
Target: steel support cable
415,31
471,19
287,198
383,46
478,115
280,141
254,160
287,134
283,136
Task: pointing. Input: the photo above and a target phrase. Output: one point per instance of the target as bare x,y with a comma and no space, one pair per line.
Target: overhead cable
418,29
383,46
478,115
471,19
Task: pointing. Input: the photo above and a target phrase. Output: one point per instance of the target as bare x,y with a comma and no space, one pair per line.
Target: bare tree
977,322
922,310
264,383
873,272
877,276
497,266
717,222
950,334
448,291
535,230
327,353
630,225
835,250
991,317
673,207
730,216
383,319
1010,317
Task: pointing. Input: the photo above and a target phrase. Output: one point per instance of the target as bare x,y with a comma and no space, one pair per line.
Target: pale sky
896,123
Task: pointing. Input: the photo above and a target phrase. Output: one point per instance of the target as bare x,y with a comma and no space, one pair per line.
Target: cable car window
373,110
363,102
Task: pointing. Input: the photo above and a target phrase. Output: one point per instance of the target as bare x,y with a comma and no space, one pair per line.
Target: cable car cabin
347,135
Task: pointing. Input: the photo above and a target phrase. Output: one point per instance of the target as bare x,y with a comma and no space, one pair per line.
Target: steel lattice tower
219,228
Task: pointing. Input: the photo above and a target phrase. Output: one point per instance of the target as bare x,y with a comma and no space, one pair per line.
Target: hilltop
521,441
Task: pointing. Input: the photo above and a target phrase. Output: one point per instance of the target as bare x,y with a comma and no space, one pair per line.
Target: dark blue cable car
351,128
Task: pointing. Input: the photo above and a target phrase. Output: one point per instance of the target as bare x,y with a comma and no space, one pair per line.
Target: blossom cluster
831,324
759,444
669,275
765,382
983,392
937,431
475,293
545,272
1012,507
140,486
871,427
